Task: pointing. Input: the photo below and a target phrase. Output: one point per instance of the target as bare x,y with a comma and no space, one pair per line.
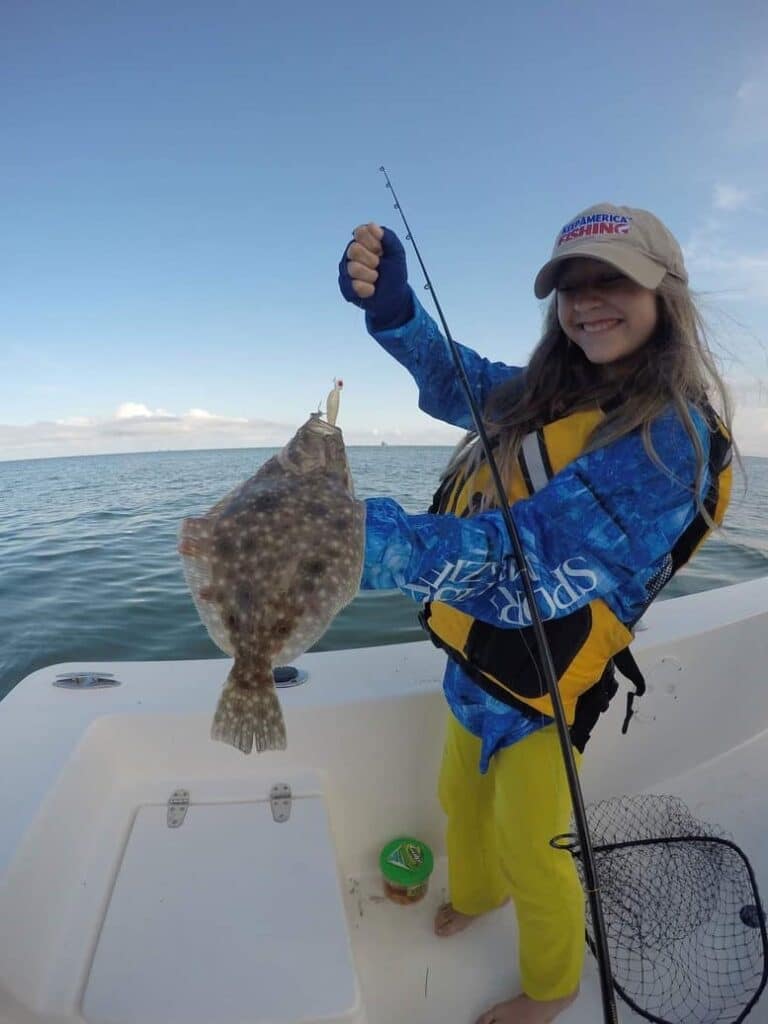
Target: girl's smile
598,326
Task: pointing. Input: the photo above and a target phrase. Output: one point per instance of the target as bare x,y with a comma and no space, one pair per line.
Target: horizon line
235,448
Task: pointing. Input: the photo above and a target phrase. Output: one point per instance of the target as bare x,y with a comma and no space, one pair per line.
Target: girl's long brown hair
674,367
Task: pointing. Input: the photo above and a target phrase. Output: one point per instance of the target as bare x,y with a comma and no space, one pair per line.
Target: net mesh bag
685,927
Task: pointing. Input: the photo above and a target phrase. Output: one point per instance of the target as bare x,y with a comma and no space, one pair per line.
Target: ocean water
89,569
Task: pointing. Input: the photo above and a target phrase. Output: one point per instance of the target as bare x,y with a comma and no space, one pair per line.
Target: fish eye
316,508
265,503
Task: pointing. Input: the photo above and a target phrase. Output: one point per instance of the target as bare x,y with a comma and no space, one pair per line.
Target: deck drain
288,675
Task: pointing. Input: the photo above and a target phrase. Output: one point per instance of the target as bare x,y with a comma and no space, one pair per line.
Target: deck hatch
228,919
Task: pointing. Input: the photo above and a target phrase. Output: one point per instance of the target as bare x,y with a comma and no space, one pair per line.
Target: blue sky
179,181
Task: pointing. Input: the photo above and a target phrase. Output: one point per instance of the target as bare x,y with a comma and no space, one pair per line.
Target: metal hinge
85,680
280,801
178,804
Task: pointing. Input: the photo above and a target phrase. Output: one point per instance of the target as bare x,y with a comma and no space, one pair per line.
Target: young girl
615,467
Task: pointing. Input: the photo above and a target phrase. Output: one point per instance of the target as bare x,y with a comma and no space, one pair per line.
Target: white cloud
728,197
752,94
203,414
749,397
750,109
76,421
134,410
750,429
721,268
134,427
726,254
716,265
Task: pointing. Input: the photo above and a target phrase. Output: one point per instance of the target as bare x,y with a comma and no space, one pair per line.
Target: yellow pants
498,832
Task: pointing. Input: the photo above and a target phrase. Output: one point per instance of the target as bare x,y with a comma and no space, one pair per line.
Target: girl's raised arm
373,275
420,347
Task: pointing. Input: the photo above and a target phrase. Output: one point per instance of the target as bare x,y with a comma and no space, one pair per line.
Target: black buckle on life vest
423,617
626,664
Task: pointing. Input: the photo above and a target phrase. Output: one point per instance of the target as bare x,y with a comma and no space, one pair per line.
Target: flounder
270,565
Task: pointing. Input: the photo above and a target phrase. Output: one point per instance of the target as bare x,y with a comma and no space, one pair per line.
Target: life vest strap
626,664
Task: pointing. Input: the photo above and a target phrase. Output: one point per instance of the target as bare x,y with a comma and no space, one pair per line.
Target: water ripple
89,569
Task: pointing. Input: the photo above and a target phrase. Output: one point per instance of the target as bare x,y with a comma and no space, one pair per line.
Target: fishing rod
577,800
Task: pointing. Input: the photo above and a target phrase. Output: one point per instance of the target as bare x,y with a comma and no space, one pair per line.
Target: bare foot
449,921
524,1010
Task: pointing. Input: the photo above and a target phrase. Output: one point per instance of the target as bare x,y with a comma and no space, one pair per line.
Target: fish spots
224,547
317,509
228,578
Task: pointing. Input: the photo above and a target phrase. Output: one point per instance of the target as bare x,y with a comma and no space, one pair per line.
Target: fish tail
249,715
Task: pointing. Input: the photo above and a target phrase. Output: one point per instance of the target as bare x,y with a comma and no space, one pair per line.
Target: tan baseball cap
633,241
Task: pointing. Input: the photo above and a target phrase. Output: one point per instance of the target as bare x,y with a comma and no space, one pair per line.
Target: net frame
655,927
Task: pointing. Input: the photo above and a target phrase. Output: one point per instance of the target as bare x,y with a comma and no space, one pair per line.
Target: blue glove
391,304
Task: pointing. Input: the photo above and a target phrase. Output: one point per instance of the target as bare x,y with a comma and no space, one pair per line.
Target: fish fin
195,543
194,537
248,716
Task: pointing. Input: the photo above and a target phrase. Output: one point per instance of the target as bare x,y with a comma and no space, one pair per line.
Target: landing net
686,929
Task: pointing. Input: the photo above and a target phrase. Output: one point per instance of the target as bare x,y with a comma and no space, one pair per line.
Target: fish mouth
320,426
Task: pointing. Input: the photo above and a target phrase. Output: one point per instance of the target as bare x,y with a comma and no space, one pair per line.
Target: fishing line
550,676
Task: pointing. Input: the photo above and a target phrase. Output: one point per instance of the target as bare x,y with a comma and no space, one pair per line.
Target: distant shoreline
238,448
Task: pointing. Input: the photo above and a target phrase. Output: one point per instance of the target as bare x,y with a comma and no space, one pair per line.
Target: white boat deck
89,930
409,974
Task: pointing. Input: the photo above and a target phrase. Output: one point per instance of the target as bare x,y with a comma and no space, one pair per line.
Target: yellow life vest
585,643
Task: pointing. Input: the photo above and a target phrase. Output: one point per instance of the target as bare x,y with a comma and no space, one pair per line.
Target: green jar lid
406,862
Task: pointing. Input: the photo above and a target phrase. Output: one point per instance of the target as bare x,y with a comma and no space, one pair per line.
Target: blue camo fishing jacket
607,520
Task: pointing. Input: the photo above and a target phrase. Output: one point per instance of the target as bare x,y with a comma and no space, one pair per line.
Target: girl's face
606,314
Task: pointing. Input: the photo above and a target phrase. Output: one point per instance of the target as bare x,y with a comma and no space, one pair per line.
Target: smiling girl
616,467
